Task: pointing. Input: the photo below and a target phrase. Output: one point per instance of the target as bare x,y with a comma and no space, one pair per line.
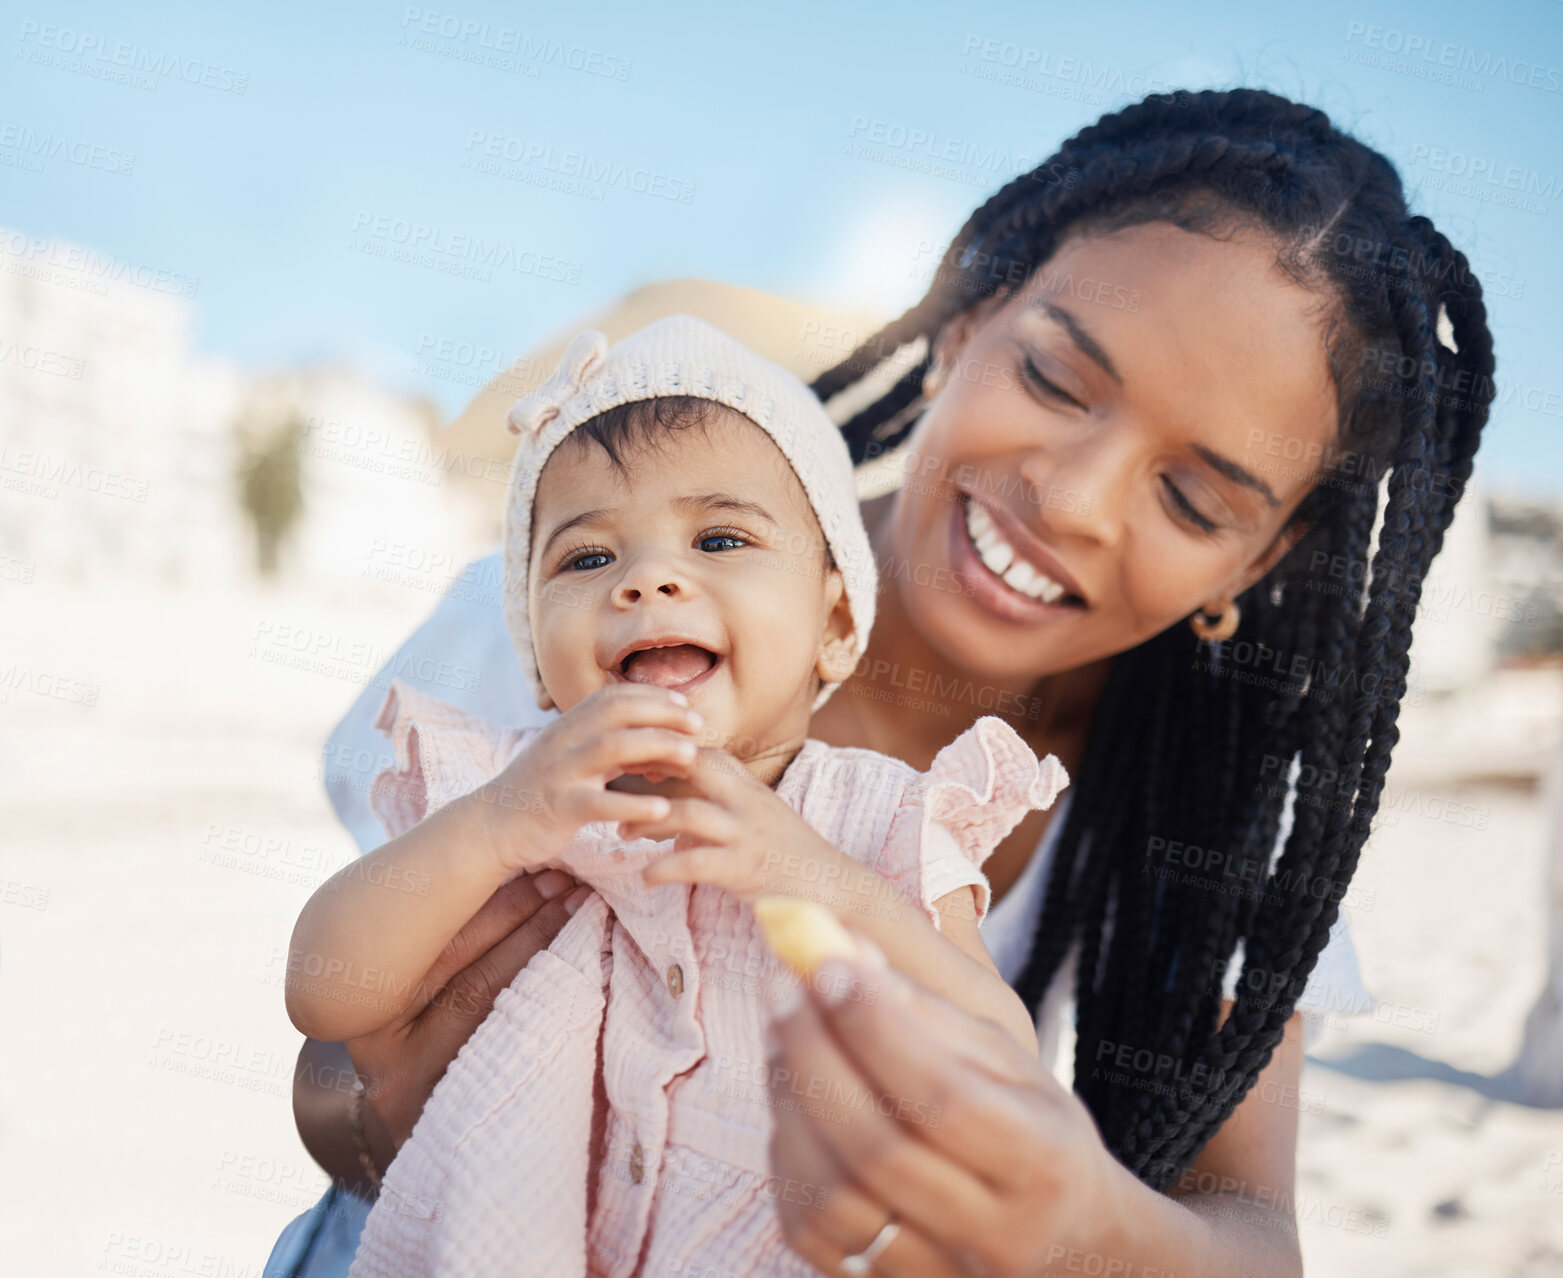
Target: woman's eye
1186,508
714,543
1049,388
588,560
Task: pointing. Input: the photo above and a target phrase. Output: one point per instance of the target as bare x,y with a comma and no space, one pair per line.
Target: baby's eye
715,542
589,560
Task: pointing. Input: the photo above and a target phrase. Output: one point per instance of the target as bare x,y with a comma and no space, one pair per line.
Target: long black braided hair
1191,744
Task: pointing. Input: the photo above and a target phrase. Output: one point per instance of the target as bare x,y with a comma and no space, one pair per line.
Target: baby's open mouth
668,666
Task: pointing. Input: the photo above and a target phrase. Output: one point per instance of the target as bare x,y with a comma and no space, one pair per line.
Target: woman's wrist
367,1162
1144,1230
1122,1205
323,1102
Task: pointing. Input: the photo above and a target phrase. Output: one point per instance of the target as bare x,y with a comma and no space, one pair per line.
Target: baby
687,578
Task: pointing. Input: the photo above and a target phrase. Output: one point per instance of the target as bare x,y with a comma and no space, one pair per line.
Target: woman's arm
1243,1182
363,946
323,1095
990,1165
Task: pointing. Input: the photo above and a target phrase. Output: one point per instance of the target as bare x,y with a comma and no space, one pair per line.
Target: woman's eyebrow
1093,350
1088,345
1237,474
724,501
575,521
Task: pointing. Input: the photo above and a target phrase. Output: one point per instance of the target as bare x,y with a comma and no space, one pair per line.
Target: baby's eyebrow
574,521
725,501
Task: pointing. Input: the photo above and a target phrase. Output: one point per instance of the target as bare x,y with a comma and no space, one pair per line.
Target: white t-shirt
1334,988
462,654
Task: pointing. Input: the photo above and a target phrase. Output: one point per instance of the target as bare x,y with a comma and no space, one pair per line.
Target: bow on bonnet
532,412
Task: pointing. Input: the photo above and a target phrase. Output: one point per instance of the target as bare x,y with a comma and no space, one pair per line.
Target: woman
1156,383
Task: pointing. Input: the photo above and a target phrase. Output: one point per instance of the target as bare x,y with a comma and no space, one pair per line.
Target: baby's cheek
565,649
790,618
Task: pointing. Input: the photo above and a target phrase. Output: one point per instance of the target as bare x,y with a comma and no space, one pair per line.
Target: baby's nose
631,591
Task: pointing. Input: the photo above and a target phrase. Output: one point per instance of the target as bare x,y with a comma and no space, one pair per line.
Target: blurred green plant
271,488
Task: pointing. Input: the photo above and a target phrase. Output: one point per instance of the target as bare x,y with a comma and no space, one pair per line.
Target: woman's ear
837,657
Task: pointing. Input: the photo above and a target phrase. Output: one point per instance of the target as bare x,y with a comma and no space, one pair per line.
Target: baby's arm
751,843
371,933
952,961
804,932
958,919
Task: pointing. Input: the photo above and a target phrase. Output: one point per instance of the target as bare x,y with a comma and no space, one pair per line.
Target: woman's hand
897,1100
401,1063
890,1099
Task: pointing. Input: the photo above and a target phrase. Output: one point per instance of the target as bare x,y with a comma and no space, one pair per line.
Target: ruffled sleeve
441,753
979,788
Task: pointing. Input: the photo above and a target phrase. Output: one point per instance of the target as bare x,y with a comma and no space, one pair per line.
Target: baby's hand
560,781
740,836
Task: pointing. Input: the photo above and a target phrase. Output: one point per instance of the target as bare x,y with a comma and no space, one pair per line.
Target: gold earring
933,379
1216,627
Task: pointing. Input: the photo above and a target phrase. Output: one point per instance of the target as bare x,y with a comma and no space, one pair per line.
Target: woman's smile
1011,573
1080,520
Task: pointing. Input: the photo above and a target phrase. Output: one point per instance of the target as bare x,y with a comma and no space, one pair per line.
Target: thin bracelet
355,1124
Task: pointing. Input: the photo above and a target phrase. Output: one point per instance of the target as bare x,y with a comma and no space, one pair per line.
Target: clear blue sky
358,122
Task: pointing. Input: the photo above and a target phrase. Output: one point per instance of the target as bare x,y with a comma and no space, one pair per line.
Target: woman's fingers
815,1203
976,1039
875,1137
825,1217
514,905
404,1061
979,1092
469,995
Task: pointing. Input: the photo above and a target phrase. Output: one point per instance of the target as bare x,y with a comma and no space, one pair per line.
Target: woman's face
1118,443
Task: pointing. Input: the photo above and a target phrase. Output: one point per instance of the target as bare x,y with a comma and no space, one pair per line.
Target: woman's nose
1078,491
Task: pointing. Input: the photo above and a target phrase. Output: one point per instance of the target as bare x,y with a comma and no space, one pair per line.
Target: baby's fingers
629,749
720,866
700,819
612,805
635,705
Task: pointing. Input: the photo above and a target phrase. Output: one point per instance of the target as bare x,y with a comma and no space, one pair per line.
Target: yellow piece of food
801,933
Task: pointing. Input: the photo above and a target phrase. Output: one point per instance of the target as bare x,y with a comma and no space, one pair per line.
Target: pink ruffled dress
638,1033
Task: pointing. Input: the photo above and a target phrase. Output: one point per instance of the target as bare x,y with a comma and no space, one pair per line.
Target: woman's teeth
1000,558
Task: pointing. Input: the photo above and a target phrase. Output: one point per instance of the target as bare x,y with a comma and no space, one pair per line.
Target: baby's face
703,570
